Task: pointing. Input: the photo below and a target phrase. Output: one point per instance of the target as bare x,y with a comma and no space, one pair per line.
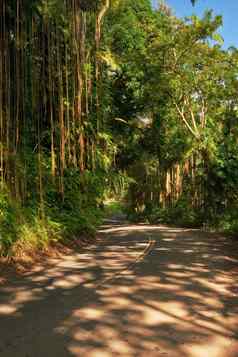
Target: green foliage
227,222
113,208
9,224
187,79
182,214
156,127
22,229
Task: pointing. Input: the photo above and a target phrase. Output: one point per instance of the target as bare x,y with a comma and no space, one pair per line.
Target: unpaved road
145,291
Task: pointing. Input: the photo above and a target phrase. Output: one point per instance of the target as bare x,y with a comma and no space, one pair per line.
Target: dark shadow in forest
181,299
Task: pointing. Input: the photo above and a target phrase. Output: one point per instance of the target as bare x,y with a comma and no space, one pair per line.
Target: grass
113,207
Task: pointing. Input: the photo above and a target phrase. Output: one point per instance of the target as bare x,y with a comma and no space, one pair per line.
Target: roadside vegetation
107,101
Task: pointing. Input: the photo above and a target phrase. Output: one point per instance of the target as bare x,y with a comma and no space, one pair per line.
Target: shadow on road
180,301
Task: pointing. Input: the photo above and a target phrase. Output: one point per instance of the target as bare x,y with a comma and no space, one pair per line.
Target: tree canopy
107,99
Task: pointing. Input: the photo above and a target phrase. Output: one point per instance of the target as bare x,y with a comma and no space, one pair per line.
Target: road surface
144,291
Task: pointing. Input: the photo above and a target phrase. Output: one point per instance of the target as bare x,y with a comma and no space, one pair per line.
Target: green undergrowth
185,216
227,222
182,214
28,227
23,230
179,215
113,207
34,225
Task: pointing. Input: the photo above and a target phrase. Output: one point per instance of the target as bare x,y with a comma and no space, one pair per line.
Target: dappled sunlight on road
144,290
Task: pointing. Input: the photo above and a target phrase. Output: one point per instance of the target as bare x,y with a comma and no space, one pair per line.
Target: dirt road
145,291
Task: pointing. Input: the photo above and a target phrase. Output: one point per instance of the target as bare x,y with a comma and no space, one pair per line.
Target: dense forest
113,99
